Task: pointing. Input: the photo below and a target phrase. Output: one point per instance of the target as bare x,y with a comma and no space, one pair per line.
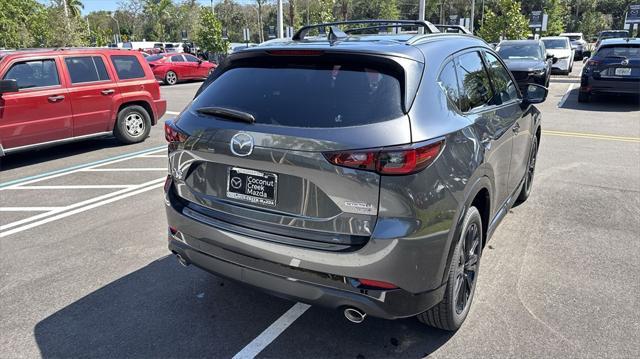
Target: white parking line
82,209
75,169
79,204
80,186
154,156
133,169
272,332
28,209
172,113
566,95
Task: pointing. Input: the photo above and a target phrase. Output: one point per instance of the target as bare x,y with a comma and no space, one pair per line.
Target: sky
111,5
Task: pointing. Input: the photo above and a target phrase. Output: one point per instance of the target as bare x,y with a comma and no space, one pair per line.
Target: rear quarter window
127,67
313,95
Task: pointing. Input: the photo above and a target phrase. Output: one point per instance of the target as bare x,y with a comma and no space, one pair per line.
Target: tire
528,176
584,97
452,311
133,125
170,78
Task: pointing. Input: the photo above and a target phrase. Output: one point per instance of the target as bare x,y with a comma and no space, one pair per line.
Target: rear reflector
376,284
388,161
295,52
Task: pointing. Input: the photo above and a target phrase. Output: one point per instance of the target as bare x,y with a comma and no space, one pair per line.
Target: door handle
516,128
56,98
108,92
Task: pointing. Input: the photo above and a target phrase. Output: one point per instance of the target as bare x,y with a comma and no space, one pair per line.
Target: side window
448,81
191,58
37,73
177,58
475,89
127,67
86,69
505,89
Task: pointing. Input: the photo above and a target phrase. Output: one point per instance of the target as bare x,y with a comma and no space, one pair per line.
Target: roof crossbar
303,31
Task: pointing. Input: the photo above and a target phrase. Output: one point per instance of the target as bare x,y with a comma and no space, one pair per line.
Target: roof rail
303,31
461,29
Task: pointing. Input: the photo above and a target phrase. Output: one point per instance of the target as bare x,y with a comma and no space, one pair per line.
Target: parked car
171,68
560,48
613,68
578,44
527,60
296,169
611,34
53,96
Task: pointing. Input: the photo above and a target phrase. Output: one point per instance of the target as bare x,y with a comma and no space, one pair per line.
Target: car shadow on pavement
31,157
165,310
603,102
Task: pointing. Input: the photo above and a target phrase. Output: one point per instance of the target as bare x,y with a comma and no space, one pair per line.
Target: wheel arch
141,103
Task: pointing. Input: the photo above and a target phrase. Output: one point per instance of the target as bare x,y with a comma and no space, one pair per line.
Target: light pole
117,25
280,25
473,11
421,15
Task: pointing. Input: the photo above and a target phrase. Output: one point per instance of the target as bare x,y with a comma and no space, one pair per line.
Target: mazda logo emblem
241,144
625,62
236,182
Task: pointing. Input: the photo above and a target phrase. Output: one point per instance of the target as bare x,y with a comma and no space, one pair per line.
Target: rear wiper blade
227,113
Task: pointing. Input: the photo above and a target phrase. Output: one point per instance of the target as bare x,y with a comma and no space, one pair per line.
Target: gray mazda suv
353,169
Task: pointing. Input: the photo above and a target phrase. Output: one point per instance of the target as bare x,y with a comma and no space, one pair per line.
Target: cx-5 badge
241,144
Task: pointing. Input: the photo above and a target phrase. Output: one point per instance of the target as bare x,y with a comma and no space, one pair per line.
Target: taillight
167,183
593,63
400,161
172,133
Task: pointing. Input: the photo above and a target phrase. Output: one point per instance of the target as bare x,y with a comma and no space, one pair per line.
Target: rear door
273,175
91,92
41,110
492,122
508,109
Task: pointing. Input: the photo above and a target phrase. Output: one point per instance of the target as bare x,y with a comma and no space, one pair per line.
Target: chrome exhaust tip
354,315
182,261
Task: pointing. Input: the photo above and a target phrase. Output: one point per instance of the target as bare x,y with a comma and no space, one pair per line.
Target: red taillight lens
389,162
376,284
172,133
167,183
593,63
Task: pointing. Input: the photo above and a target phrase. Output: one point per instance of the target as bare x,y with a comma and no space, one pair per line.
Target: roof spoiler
336,33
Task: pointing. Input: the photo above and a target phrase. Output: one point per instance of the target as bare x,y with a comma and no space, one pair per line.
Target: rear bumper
387,304
589,84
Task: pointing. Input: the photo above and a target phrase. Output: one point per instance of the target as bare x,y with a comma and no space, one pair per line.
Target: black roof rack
461,29
303,31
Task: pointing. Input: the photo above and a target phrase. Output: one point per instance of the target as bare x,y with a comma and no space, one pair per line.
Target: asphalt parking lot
86,272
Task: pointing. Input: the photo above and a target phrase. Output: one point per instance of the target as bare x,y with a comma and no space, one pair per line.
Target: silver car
359,171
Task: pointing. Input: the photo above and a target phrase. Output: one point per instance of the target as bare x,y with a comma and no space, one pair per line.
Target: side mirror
7,86
586,54
555,59
534,93
549,56
199,61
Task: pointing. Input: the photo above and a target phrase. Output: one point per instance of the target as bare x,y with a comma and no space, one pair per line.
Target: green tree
507,22
375,9
74,7
558,13
209,35
158,11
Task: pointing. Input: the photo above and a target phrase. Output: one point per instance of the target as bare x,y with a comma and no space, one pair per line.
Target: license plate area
252,186
623,71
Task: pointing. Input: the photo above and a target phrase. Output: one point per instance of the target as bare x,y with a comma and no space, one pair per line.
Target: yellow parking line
591,136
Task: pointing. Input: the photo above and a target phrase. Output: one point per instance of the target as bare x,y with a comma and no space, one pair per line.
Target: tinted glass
574,38
629,51
555,44
86,69
520,52
127,67
177,58
154,58
191,58
312,95
29,74
505,89
613,34
449,82
474,82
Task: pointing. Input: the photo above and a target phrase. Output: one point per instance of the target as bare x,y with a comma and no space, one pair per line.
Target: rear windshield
613,34
154,58
628,51
307,95
574,37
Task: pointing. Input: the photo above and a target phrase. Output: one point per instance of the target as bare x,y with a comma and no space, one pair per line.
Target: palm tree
74,7
159,9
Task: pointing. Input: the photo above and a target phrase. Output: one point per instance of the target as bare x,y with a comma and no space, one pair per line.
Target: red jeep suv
53,96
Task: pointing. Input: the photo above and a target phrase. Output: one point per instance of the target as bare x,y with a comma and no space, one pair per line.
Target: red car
54,96
171,68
